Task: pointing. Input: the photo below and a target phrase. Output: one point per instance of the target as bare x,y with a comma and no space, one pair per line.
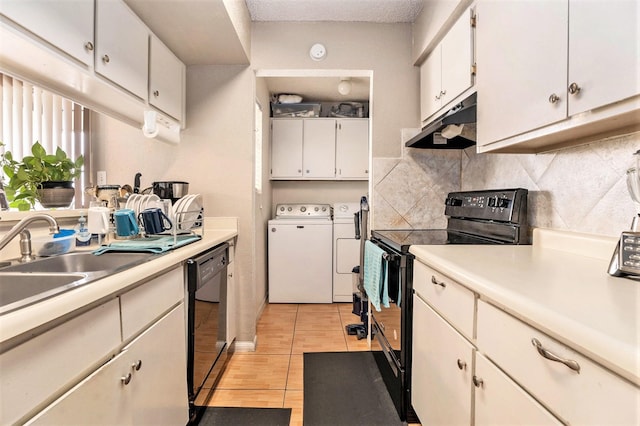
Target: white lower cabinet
575,388
442,361
141,385
505,372
37,369
500,401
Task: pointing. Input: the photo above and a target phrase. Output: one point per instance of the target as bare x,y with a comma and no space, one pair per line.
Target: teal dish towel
375,275
155,244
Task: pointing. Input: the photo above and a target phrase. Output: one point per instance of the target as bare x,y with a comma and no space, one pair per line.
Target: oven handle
387,255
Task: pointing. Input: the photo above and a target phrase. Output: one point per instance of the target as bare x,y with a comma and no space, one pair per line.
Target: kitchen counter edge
24,322
547,252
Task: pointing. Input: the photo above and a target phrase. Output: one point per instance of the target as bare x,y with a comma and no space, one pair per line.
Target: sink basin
23,284
16,286
81,262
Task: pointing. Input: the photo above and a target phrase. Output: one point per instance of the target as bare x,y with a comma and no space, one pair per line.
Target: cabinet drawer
144,304
43,366
451,300
591,396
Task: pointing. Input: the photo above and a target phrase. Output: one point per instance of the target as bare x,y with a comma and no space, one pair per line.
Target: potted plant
47,178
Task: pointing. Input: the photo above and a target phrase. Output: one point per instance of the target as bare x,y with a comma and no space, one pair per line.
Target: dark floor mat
228,416
346,389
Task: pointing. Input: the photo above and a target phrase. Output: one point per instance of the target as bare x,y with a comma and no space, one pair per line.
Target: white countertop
557,286
12,324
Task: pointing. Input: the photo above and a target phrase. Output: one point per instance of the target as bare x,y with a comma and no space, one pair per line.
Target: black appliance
206,325
435,136
474,217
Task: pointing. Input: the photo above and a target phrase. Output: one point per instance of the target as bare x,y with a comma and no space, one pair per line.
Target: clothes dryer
346,250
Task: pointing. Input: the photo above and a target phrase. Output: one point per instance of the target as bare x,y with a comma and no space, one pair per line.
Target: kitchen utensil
126,224
172,190
106,193
98,220
136,183
155,221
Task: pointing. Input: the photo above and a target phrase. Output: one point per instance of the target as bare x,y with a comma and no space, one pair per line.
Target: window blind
31,114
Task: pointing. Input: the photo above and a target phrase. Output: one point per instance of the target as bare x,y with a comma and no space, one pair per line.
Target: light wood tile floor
272,376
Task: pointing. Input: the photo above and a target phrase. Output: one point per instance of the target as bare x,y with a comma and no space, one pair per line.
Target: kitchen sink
16,286
81,262
23,284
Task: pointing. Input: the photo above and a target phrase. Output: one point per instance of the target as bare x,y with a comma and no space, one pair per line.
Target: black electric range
474,217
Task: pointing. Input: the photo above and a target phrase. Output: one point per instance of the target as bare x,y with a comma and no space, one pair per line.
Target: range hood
455,129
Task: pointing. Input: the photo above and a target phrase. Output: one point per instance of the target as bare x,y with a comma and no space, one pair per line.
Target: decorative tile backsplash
581,189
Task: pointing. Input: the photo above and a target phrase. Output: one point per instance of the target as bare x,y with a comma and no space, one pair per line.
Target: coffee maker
626,257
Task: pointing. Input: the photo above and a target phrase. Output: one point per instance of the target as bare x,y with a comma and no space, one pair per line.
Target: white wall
383,48
215,157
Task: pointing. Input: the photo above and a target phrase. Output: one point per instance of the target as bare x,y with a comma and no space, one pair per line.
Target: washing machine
346,250
300,254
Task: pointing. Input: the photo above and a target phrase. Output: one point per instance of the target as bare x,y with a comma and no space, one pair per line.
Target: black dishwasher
206,325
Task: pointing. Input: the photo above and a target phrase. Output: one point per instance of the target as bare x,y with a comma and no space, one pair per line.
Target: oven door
391,330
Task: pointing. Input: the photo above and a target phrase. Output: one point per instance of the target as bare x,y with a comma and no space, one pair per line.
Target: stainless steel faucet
25,235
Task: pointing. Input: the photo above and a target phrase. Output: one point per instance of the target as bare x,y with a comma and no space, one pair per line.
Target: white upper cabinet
604,52
522,62
166,80
447,71
286,148
67,25
122,47
319,148
542,64
352,149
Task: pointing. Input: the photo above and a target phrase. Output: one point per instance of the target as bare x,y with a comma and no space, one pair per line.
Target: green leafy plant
26,176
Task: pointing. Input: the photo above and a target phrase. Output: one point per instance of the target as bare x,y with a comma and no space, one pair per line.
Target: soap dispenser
83,237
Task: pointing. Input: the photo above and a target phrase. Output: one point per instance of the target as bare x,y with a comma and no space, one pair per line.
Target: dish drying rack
184,226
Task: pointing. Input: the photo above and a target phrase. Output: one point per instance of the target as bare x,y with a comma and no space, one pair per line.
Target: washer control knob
303,209
316,208
289,208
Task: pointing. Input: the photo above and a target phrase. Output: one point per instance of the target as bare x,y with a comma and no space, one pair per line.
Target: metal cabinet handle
436,282
461,364
574,89
89,46
156,93
105,59
438,97
443,92
477,381
137,365
126,379
553,98
553,357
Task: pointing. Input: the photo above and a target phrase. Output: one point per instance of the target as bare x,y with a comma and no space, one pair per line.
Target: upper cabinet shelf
117,66
554,74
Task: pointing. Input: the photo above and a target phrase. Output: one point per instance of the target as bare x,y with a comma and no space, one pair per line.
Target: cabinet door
604,52
522,60
457,57
39,368
500,401
159,385
286,148
122,47
68,25
352,149
103,398
441,375
319,148
430,84
166,79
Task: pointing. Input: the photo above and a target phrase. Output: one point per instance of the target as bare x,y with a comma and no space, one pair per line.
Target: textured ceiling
381,11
